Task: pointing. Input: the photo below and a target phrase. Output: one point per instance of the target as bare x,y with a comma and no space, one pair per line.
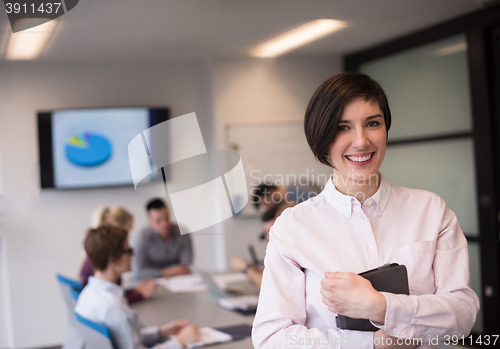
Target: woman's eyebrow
374,117
368,118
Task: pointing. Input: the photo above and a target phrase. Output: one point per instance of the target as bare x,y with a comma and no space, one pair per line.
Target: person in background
254,271
102,300
118,217
161,250
270,195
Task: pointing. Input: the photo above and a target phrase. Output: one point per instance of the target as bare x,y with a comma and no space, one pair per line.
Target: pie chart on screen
88,149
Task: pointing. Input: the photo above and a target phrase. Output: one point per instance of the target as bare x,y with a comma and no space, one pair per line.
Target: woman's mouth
360,159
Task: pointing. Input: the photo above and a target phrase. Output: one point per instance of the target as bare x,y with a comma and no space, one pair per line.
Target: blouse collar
344,203
106,285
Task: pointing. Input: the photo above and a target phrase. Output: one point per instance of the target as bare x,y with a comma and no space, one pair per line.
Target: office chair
70,290
96,335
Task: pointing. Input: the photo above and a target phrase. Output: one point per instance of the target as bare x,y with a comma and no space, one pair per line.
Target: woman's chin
358,174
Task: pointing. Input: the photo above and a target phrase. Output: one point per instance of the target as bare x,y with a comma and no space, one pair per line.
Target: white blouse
334,232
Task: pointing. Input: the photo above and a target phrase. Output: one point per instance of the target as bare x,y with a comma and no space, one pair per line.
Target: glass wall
430,143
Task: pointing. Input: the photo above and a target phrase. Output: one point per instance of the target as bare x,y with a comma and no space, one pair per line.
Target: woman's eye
342,128
373,123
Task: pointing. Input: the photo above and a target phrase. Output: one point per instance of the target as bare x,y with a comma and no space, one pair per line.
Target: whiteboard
277,153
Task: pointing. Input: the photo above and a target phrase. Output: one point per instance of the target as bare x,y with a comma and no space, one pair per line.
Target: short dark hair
155,204
104,244
327,103
261,191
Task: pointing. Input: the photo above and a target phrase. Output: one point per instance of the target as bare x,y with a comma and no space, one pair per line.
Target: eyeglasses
130,250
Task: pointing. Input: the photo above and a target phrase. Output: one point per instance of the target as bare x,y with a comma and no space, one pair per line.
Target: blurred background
437,59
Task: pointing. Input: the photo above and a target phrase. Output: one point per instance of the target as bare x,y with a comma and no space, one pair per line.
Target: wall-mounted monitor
88,148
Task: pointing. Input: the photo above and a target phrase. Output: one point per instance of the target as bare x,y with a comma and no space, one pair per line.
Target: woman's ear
112,264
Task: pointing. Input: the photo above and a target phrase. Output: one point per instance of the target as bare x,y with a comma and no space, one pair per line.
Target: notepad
392,278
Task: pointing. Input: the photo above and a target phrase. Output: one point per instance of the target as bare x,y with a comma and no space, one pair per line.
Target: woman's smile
360,159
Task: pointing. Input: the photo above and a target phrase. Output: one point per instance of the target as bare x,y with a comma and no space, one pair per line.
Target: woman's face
359,145
129,225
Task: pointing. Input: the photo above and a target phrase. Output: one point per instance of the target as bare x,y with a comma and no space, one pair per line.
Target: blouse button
395,330
371,248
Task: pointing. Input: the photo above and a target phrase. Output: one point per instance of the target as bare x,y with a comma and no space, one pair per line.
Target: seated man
160,249
102,300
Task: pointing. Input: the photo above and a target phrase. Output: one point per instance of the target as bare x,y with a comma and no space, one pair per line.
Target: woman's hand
146,288
381,339
352,295
238,263
189,334
173,327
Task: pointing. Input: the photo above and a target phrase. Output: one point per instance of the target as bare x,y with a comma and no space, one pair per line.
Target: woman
102,300
255,271
118,217
360,222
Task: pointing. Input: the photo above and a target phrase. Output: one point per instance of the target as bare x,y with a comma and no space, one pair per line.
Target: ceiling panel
166,29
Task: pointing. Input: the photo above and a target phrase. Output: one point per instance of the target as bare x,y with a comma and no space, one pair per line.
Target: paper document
184,283
210,336
222,280
241,302
235,283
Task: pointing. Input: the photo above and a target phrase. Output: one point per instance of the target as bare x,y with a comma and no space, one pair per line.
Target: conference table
200,308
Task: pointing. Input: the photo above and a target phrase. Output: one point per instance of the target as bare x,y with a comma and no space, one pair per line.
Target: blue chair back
70,290
96,335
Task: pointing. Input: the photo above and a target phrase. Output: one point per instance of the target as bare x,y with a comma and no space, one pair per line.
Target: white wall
4,311
43,230
5,314
263,90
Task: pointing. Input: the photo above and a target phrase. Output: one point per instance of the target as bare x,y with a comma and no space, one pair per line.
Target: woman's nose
360,140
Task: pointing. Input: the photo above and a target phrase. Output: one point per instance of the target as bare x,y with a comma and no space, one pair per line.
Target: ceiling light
297,37
29,43
454,48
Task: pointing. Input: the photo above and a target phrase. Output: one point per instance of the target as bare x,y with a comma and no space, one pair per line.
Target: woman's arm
453,308
281,314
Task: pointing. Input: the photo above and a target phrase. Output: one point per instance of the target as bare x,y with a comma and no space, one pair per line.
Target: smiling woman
357,223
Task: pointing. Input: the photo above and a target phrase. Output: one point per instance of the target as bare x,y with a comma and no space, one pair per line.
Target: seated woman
254,271
360,222
102,300
118,217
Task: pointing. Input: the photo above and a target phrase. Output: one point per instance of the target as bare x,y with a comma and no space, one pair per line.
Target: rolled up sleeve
453,308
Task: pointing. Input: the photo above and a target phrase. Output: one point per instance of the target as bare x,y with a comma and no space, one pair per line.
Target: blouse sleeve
452,309
281,313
